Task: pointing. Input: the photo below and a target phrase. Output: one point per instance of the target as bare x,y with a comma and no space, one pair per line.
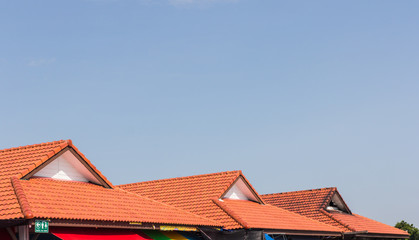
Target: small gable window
67,167
240,191
337,204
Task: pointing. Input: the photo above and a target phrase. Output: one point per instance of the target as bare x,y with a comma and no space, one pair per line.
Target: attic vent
332,206
240,191
67,167
336,204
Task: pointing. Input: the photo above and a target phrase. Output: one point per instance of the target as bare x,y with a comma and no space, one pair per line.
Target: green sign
41,226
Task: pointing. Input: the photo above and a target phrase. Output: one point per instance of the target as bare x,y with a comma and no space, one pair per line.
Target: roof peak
307,190
238,172
69,142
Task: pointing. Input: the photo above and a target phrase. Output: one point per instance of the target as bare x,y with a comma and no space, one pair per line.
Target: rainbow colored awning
65,233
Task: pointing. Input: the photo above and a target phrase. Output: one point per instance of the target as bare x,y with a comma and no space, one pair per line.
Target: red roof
312,203
255,215
359,223
15,162
58,199
200,194
193,193
307,203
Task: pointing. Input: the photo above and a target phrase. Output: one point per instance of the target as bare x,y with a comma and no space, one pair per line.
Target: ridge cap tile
182,177
30,146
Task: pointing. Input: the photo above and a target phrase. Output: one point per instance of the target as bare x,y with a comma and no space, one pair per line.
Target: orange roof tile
312,203
15,162
200,194
43,197
360,223
255,215
59,199
307,203
193,194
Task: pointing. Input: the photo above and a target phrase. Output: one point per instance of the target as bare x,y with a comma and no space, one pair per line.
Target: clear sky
296,94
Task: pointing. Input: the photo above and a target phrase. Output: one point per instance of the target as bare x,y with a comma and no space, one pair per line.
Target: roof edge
53,153
253,189
328,198
341,198
306,190
232,214
170,179
215,224
21,197
32,145
70,144
49,155
337,220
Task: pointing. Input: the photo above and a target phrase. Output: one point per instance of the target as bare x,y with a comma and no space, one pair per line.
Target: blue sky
296,94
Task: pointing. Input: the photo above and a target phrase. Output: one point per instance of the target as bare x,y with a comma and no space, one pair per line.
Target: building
55,185
327,205
51,191
228,198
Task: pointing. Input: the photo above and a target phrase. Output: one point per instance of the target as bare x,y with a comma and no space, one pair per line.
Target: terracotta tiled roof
200,194
58,199
49,198
300,201
312,203
307,203
16,162
255,215
360,223
193,194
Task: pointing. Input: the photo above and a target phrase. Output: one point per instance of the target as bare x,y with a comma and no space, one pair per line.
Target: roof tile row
194,200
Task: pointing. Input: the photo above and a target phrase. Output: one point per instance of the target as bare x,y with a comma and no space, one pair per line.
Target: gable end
241,190
336,203
67,165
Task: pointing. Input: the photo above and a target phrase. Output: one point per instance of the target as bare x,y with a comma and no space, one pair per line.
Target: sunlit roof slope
26,195
210,195
326,205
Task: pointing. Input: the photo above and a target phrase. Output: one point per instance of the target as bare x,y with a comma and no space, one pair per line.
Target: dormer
337,204
241,190
68,165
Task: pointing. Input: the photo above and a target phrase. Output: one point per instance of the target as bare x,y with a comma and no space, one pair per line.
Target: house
53,185
229,199
327,205
51,191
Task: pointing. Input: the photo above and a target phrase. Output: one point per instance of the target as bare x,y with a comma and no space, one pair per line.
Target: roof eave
381,235
301,232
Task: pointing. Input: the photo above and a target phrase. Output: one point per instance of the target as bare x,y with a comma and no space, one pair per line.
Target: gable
336,203
239,190
191,193
67,167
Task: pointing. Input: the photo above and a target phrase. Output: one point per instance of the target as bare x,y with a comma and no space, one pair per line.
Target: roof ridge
179,209
33,145
258,196
230,213
336,220
99,173
307,190
307,218
282,209
47,156
185,177
21,197
57,150
328,198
